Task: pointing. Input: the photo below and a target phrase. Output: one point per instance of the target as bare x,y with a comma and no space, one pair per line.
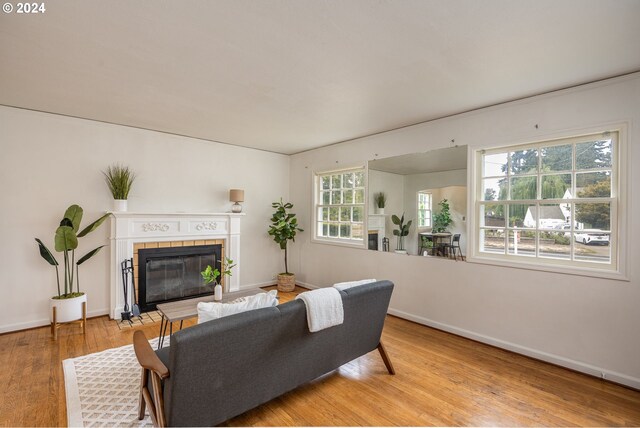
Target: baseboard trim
523,350
12,328
257,285
307,285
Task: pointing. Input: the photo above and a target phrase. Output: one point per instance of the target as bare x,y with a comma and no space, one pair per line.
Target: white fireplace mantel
128,228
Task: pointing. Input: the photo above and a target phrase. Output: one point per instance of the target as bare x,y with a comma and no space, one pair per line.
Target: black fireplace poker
126,269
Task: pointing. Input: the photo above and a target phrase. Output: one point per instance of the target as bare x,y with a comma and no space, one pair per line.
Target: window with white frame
424,208
553,202
340,199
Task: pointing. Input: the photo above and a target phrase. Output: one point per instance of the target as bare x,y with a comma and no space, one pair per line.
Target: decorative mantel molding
128,228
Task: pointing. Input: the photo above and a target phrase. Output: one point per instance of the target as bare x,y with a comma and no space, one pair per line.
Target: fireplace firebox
170,274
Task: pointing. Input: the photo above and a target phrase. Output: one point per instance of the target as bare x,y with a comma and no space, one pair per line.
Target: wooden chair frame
154,370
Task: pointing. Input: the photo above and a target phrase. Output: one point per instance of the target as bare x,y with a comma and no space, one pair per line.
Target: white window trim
619,271
430,209
314,208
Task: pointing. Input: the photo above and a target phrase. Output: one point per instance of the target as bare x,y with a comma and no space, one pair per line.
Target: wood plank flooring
441,380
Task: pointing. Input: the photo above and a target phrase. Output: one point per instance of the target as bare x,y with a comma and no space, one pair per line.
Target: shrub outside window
553,202
340,206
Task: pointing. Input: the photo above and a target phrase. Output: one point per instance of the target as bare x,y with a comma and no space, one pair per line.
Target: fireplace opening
173,273
373,240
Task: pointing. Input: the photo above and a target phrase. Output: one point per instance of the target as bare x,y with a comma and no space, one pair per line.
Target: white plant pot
379,210
67,309
119,205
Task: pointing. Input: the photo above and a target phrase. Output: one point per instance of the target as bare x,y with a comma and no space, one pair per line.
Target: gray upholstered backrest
222,368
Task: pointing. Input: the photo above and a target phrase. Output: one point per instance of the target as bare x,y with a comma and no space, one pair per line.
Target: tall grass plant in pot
380,200
284,226
69,304
119,179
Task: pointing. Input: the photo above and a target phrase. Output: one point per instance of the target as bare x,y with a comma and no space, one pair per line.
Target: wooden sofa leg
385,358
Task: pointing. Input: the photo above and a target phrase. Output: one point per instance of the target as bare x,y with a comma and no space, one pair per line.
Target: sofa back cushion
222,368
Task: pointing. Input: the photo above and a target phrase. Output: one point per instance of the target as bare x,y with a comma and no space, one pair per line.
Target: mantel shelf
171,214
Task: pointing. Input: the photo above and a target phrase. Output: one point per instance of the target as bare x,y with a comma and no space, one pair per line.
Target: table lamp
237,196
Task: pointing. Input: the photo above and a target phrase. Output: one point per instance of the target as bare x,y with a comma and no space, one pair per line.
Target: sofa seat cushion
208,311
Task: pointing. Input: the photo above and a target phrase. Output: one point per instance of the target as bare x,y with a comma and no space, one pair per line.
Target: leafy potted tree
69,305
380,200
400,232
442,220
283,229
119,179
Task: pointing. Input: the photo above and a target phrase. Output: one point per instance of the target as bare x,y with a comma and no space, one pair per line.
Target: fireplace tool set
127,273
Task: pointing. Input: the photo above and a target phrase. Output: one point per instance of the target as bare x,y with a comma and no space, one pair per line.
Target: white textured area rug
103,388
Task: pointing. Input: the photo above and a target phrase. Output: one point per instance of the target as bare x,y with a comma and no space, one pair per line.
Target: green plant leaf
89,255
46,254
93,226
74,214
395,219
65,239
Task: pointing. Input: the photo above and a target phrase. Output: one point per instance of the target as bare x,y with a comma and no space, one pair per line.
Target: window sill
359,245
563,269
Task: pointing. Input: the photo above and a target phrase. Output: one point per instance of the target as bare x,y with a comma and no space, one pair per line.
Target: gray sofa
214,371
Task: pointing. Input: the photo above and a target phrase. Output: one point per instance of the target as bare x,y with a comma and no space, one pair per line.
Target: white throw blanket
324,308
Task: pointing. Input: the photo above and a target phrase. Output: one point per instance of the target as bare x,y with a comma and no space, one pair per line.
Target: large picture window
553,202
340,202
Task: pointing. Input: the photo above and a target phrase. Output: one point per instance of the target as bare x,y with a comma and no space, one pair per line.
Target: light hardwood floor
441,380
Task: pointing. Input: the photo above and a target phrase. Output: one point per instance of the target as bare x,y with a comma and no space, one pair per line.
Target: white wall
48,162
590,324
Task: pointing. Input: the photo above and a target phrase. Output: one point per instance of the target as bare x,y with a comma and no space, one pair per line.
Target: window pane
522,243
333,230
333,213
345,214
325,214
325,229
491,189
523,188
524,216
336,182
555,186
326,198
348,180
345,231
347,196
524,161
553,216
492,215
492,241
325,182
359,179
556,158
356,231
359,196
335,197
592,246
594,154
494,165
556,245
593,184
358,214
593,216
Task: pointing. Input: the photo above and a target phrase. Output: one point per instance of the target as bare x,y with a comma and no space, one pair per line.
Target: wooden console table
186,309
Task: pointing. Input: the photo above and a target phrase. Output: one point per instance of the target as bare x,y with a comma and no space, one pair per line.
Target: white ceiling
291,75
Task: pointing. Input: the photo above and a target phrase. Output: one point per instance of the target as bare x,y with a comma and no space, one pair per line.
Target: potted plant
401,231
283,229
380,200
69,304
211,275
119,179
442,219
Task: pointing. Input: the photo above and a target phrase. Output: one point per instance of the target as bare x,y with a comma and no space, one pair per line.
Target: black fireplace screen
169,274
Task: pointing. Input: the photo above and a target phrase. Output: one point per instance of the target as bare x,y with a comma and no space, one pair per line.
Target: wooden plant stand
55,325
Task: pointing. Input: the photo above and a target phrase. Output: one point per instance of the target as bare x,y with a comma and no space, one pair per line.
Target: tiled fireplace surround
132,231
